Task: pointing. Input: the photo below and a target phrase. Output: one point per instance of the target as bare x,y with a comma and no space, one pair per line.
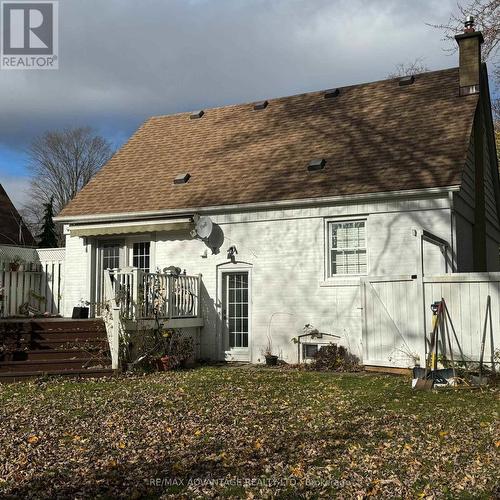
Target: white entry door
236,313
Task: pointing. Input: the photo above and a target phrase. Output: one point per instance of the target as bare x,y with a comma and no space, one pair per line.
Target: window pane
111,256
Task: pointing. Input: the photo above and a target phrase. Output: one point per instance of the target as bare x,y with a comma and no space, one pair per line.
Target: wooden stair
46,347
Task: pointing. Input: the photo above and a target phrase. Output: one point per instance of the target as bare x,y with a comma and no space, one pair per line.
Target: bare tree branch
61,163
486,15
410,68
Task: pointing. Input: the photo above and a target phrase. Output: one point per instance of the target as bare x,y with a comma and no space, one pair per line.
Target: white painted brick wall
286,251
77,279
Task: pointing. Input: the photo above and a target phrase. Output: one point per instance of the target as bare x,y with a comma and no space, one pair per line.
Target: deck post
115,341
135,293
198,291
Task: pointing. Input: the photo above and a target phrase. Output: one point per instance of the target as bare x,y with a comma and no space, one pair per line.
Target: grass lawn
247,432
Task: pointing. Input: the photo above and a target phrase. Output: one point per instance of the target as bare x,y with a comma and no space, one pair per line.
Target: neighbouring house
13,231
278,211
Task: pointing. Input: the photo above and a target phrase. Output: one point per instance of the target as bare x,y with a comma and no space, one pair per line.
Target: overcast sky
122,61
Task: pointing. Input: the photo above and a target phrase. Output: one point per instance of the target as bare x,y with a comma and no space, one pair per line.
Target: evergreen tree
48,237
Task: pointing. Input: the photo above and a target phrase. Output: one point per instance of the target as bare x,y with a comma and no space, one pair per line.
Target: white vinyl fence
397,316
37,285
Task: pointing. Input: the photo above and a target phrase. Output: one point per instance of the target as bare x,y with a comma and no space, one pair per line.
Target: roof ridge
300,94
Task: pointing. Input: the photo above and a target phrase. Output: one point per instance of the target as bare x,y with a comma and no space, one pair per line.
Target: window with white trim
347,248
142,255
309,351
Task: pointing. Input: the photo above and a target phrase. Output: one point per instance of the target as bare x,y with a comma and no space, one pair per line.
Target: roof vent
406,80
197,114
260,105
182,178
318,164
331,93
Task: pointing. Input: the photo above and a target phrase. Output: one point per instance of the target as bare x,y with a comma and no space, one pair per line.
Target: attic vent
331,93
182,178
197,114
406,80
318,164
260,105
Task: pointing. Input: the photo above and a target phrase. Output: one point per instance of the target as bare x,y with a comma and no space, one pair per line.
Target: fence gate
392,332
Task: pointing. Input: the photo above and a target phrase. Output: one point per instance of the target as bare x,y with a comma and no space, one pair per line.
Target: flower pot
271,360
167,363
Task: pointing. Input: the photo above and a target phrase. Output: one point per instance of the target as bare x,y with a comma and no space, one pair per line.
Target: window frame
328,261
142,255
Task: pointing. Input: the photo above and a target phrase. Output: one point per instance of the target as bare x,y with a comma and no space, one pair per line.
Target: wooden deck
42,347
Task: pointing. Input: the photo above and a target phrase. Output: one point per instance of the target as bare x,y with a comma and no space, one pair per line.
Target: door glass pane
142,255
237,308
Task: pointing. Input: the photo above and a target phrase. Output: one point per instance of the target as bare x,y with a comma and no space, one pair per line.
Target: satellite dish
216,238
202,227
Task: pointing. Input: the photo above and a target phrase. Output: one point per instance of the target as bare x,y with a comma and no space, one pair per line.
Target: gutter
189,212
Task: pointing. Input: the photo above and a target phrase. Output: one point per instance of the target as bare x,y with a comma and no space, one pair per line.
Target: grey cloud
123,60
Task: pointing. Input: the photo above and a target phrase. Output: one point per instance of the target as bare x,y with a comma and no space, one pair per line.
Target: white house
307,194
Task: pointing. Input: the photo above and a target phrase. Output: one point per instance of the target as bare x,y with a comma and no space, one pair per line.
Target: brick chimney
469,48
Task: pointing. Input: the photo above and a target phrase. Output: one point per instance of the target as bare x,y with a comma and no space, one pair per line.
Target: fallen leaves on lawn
246,433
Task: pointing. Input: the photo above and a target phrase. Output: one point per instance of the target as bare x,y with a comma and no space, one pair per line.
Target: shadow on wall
209,338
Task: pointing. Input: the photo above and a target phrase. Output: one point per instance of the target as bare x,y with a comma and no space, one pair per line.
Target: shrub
335,358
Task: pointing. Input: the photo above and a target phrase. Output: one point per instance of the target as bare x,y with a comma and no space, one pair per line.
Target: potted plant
179,351
271,359
15,263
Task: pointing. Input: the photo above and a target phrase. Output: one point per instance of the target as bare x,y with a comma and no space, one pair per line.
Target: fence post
422,327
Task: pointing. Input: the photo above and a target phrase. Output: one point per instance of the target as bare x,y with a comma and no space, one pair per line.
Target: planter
14,266
167,363
80,313
271,360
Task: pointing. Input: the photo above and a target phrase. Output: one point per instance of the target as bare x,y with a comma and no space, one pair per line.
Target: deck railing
131,294
143,295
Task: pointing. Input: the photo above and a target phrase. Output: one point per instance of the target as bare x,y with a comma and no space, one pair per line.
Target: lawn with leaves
246,432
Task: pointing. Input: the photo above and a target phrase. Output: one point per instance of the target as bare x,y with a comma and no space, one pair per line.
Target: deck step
61,343
8,377
47,354
54,324
48,335
53,364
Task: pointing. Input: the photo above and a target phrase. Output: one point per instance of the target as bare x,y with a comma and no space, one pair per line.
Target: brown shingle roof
376,137
9,224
